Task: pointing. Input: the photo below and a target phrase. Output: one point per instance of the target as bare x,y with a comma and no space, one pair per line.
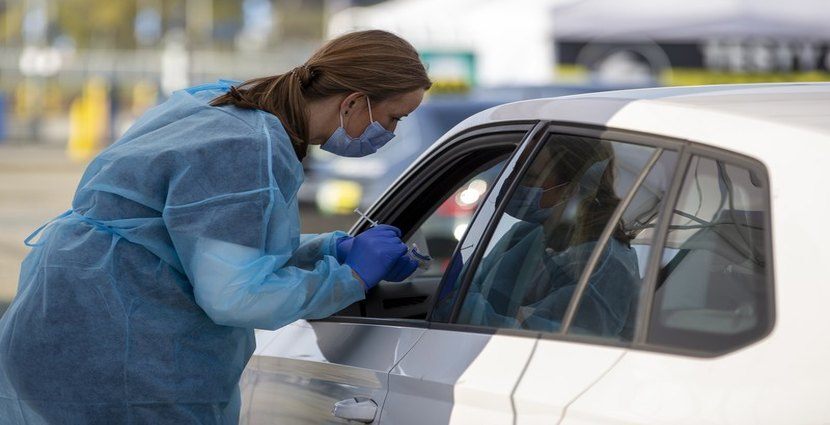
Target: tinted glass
550,227
609,304
713,292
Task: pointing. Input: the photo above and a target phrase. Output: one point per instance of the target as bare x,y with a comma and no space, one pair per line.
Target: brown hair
376,63
577,156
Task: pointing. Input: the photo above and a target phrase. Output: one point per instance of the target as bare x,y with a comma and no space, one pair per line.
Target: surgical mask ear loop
551,188
371,120
342,125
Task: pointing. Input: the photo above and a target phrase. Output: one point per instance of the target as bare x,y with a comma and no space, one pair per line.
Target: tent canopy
669,20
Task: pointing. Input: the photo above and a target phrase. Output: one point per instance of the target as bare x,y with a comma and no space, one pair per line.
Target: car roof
744,111
798,105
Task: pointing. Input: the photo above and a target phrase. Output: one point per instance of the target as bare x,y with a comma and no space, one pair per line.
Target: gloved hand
343,245
402,269
374,253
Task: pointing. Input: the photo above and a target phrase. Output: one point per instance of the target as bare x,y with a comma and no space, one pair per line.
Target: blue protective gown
138,305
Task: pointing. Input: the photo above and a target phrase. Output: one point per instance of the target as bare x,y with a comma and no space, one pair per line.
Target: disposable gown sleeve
240,284
314,247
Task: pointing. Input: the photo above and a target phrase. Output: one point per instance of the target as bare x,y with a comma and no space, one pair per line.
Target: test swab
366,217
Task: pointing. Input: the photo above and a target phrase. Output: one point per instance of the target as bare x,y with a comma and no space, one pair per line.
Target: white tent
511,40
668,20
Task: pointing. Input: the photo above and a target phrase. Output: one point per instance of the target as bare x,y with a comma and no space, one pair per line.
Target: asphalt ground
38,183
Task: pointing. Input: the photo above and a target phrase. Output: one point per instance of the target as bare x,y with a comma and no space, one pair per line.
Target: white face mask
372,139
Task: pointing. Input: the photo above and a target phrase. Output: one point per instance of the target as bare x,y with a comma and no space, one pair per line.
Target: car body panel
472,386
759,385
300,371
558,373
680,112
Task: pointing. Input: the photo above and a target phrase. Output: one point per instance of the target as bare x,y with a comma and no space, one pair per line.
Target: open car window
440,232
432,205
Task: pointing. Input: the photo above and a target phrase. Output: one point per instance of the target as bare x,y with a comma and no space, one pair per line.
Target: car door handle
358,409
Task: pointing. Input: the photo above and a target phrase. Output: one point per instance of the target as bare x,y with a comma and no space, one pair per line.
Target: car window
439,234
432,205
713,292
550,226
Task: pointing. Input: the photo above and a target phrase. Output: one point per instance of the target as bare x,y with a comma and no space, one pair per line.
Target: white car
648,256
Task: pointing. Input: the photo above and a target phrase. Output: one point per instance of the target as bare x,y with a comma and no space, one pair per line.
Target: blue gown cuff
330,248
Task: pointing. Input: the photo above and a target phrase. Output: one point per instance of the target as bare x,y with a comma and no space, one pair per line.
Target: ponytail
280,95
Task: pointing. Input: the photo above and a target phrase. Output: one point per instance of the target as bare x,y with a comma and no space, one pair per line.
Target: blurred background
74,74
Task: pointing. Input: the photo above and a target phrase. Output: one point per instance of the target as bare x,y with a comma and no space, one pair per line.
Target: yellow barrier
88,121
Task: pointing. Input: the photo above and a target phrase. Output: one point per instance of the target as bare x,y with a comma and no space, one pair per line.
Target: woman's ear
349,102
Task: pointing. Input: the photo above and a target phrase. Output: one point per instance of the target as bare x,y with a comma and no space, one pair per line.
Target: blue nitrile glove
402,269
343,246
374,252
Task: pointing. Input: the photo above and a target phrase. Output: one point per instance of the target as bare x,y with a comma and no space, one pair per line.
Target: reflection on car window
552,223
604,296
442,230
712,291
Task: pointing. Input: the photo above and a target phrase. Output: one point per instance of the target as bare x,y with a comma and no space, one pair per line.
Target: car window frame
406,186
685,151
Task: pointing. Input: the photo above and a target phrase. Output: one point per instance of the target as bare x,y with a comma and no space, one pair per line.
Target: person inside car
527,278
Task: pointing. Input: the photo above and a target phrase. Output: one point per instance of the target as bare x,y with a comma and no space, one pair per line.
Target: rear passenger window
713,291
552,223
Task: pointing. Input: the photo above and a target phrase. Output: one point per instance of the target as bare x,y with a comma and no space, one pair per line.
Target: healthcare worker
138,304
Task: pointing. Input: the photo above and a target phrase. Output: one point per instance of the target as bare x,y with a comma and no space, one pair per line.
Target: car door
336,370
483,361
586,341
449,373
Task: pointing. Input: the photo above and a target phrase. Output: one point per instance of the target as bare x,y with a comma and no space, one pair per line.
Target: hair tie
305,75
236,94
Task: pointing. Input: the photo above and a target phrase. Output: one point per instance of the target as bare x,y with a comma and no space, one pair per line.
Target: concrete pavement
36,184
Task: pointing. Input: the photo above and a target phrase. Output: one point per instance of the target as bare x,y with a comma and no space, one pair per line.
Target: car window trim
656,253
509,166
